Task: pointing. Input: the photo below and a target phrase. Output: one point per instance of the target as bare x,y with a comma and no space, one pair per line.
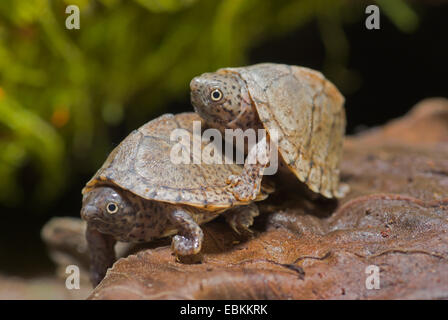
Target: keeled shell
307,112
141,164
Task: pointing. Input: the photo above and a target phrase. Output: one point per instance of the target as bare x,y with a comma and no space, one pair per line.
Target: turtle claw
232,224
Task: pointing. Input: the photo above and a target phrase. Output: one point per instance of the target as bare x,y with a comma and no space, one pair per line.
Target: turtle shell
141,164
306,110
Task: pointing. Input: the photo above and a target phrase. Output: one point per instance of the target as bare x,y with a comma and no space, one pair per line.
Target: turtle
304,110
139,194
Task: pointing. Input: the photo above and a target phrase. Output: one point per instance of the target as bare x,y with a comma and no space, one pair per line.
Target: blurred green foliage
63,91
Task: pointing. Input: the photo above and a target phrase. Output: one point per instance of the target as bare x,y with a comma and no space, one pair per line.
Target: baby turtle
139,194
298,104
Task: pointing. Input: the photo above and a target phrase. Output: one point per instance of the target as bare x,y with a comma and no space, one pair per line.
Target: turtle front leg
246,186
189,239
242,217
102,254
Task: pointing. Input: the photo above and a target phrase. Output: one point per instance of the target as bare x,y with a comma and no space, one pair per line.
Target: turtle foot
185,246
241,218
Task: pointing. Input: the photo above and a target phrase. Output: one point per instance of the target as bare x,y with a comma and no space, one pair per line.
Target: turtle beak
197,98
199,88
89,213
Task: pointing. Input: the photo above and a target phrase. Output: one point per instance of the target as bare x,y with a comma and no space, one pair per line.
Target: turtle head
108,210
222,99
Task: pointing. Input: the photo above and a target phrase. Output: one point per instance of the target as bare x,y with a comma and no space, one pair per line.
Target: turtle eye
112,208
216,95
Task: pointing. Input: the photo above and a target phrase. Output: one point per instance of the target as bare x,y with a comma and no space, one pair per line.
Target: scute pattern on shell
141,164
307,112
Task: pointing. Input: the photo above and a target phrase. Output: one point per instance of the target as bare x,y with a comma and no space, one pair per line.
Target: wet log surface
395,217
